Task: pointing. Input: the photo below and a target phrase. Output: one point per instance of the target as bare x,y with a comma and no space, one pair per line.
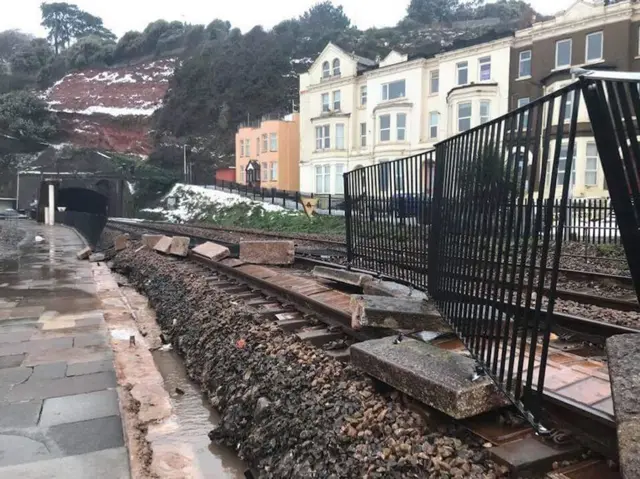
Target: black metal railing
388,215
88,225
613,103
331,204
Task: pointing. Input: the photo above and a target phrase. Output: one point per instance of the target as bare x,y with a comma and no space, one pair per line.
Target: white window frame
591,171
264,169
522,102
340,137
337,100
338,187
564,146
433,124
387,130
386,90
568,110
326,106
326,70
434,76
399,128
335,67
243,177
481,63
265,143
323,140
274,171
465,117
586,47
323,173
247,146
257,147
558,43
363,95
273,142
460,66
521,61
487,117
363,135
241,148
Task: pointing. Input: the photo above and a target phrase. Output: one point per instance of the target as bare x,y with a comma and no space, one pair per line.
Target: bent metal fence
484,232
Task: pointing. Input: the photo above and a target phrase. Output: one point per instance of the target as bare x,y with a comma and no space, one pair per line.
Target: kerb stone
623,352
342,276
389,288
84,253
267,252
163,245
150,240
213,251
179,246
437,377
121,242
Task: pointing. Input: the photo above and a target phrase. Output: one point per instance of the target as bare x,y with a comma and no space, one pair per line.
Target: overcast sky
121,16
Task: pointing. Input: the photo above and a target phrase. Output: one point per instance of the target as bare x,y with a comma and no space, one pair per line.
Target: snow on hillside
191,203
134,90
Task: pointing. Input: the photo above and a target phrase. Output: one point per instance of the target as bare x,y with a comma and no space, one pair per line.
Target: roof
135,90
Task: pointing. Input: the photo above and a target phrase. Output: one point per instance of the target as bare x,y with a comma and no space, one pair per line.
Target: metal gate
492,219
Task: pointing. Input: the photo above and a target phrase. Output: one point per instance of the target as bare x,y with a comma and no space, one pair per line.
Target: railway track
328,327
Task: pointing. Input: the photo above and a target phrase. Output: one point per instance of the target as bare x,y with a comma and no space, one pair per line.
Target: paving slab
88,436
48,388
434,376
89,367
342,276
17,449
79,407
109,463
20,415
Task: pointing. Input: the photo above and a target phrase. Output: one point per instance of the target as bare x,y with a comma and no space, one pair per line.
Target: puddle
196,419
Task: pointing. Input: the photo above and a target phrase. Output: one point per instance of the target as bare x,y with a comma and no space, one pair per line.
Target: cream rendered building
356,112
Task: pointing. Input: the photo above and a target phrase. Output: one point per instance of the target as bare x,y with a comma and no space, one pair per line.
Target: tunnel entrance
84,200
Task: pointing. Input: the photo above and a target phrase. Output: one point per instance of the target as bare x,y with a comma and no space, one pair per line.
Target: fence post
329,204
297,199
347,219
273,196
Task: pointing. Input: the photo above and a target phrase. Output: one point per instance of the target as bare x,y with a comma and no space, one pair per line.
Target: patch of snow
197,202
113,111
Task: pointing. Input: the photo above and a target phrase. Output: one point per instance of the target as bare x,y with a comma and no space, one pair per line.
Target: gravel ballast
286,408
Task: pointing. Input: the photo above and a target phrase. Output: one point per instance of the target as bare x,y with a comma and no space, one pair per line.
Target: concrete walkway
59,411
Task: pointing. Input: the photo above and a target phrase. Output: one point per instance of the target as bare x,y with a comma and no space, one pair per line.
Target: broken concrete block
342,276
434,376
96,257
150,240
121,242
389,288
163,245
267,252
179,246
395,313
84,253
213,251
623,352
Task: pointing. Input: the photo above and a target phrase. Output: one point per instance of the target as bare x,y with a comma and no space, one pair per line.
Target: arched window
326,73
336,67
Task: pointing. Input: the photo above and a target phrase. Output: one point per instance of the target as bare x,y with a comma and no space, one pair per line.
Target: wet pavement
59,411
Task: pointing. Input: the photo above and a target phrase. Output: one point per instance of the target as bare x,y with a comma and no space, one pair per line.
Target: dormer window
326,72
336,67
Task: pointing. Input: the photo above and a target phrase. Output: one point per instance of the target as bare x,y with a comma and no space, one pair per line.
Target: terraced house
357,112
590,34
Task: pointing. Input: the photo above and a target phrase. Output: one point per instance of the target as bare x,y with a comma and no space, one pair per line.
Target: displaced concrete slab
121,242
531,454
84,253
88,436
395,313
342,276
179,246
434,376
163,245
96,257
389,288
20,415
267,252
213,251
623,352
150,241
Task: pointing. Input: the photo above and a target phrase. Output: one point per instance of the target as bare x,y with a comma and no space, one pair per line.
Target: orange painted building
268,155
